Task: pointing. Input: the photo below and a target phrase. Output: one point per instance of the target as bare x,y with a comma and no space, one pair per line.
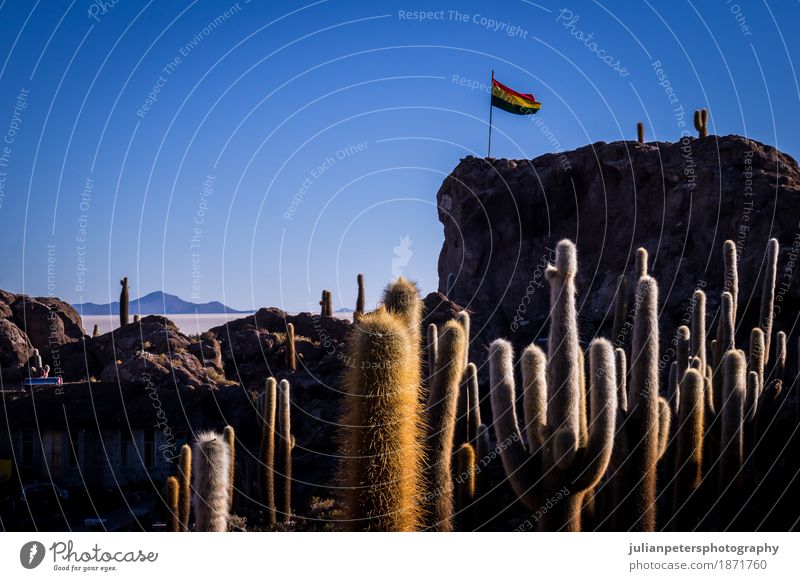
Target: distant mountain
157,303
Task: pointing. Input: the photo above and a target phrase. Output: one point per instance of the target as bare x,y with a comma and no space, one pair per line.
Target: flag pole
489,154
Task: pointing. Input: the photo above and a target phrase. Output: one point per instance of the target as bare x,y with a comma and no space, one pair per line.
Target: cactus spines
698,332
471,379
701,122
267,460
779,368
463,318
732,414
640,132
767,311
210,479
620,311
185,482
639,510
402,299
432,350
360,299
291,354
683,349
284,457
442,402
641,262
621,366
664,424
731,284
96,331
382,459
756,365
230,438
534,386
465,485
123,302
172,503
689,455
673,387
727,324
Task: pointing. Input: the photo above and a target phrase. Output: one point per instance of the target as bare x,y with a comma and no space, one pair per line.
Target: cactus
432,350
689,453
284,456
291,353
326,304
636,508
360,299
755,365
731,283
767,311
381,459
442,402
534,386
471,381
642,259
727,324
731,449
482,460
184,482
402,299
673,387
701,123
779,367
210,481
620,311
96,331
683,348
123,302
172,503
37,359
267,456
640,132
698,332
621,368
465,485
664,425
463,318
230,438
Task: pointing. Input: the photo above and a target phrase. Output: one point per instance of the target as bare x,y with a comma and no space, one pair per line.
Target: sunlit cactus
767,311
172,494
291,354
230,437
185,482
123,302
701,123
210,481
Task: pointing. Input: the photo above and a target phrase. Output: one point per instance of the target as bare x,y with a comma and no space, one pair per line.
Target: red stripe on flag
529,96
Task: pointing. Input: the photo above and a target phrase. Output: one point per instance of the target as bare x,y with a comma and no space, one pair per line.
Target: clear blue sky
353,109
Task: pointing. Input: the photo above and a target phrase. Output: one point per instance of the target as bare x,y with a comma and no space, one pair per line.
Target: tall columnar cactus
230,438
698,332
185,486
621,367
326,304
96,331
432,350
463,318
734,385
483,457
767,311
689,454
562,463
673,387
779,367
286,444
172,494
534,390
755,365
620,312
291,353
731,283
727,324
471,381
402,299
683,349
382,460
637,496
442,402
268,427
640,132
360,299
701,122
210,480
642,259
465,485
123,302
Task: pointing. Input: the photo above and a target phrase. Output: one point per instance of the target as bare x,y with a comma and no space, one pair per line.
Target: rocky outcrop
679,200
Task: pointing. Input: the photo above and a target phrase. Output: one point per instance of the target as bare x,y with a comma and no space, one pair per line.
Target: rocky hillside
680,201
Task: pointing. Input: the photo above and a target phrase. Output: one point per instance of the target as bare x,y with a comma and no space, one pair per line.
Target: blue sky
256,153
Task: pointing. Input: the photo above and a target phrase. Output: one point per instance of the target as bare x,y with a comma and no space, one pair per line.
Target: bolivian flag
513,102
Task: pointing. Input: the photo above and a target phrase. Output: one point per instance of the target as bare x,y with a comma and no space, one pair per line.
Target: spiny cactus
734,385
230,438
465,485
664,425
382,459
756,365
642,259
442,402
326,304
286,443
767,311
683,349
698,332
636,509
621,367
402,299
172,504
360,299
267,457
640,132
210,481
689,454
291,353
701,122
534,390
432,350
184,482
731,283
96,331
727,323
779,367
463,318
673,387
123,302
471,381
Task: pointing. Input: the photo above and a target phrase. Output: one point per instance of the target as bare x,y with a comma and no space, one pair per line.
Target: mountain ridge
157,303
